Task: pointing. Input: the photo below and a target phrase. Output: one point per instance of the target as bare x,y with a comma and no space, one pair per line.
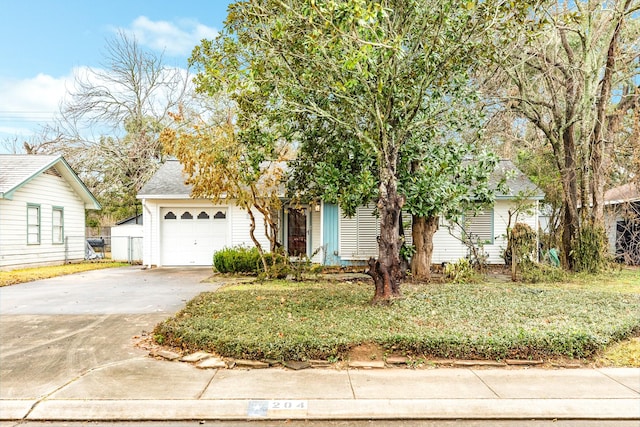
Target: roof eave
511,197
164,196
9,194
90,202
621,201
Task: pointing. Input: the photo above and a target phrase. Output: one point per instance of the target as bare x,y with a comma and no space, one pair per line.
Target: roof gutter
146,208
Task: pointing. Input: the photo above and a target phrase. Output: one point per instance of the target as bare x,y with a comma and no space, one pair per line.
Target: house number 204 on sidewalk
287,405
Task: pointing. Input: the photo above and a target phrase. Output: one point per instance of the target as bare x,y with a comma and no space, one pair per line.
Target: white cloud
177,39
28,104
40,94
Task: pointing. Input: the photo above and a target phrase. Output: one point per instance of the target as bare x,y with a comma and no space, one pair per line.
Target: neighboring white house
622,222
179,230
42,211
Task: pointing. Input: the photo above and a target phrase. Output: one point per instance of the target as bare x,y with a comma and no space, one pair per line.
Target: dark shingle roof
517,182
167,182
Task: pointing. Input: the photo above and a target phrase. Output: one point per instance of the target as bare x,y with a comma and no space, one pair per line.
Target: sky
43,43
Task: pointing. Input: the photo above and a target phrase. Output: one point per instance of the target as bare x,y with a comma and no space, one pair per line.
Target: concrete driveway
53,330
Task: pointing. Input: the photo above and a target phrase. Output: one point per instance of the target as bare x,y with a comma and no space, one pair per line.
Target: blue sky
44,43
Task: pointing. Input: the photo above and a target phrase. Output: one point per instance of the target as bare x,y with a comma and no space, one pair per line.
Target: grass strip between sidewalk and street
325,319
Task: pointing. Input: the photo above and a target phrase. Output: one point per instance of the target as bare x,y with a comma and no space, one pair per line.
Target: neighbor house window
479,227
33,224
57,225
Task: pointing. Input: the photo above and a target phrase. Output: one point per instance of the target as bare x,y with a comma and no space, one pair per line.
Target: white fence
126,248
126,243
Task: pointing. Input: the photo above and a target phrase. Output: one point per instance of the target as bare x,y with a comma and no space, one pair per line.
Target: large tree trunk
422,231
597,137
387,271
570,225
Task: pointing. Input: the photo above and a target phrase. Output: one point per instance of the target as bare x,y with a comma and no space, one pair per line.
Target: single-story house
622,222
42,211
180,230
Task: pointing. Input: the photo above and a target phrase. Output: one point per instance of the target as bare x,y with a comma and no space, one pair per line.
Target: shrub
237,259
590,249
460,272
522,240
278,263
521,248
533,272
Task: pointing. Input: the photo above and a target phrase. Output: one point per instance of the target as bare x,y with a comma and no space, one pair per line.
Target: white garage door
190,236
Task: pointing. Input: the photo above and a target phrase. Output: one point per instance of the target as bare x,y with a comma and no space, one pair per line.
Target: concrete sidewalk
146,389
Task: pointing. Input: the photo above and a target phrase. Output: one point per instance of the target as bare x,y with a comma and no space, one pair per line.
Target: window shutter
480,226
358,235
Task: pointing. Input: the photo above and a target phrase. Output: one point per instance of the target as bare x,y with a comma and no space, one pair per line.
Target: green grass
618,280
626,353
14,277
323,320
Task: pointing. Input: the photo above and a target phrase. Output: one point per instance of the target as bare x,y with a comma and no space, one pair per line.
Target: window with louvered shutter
479,227
358,235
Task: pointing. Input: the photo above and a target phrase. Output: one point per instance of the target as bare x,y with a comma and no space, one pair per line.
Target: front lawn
14,277
324,320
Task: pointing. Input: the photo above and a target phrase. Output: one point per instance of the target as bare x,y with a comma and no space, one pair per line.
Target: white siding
241,224
357,235
501,220
47,191
447,247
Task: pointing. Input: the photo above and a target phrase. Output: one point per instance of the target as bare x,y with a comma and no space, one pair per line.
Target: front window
58,225
479,226
33,224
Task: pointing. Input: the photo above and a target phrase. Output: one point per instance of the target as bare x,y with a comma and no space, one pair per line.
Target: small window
220,215
33,224
186,215
480,227
57,225
203,215
170,215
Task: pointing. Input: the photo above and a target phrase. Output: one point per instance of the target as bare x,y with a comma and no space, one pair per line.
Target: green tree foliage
439,179
575,79
357,81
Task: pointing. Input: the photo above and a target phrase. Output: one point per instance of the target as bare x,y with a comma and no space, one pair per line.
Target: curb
317,409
